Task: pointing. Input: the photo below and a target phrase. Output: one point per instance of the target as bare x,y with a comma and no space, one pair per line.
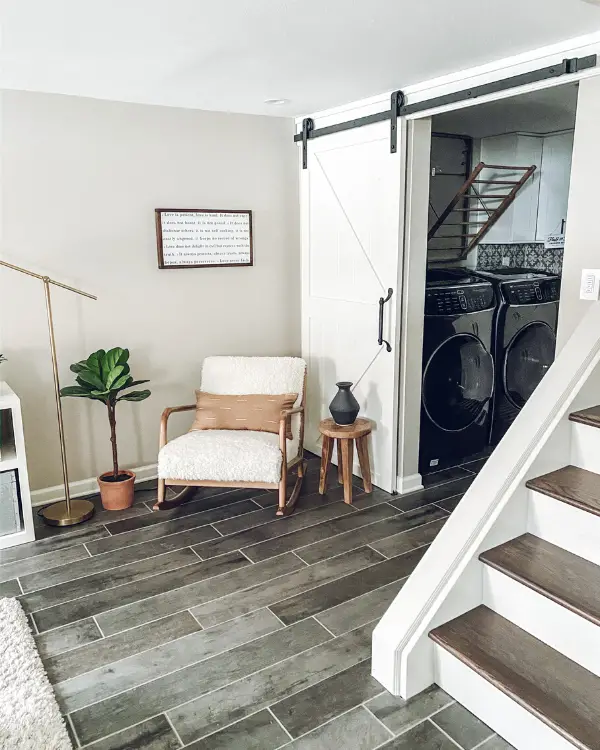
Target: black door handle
380,339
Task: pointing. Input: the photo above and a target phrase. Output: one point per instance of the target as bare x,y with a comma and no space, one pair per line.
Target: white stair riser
585,447
505,716
555,625
570,528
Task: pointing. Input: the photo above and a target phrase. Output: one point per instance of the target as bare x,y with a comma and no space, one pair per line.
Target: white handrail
400,644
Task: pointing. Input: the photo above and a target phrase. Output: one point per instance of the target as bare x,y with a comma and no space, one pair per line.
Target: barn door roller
400,109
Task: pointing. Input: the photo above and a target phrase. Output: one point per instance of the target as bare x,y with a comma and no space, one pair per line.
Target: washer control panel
531,291
457,300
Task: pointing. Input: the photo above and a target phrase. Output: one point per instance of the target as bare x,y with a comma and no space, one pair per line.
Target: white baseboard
411,483
85,487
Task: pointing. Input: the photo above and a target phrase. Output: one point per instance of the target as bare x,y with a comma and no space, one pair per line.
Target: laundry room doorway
484,259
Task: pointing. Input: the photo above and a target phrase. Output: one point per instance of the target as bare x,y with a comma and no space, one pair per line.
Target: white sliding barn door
351,208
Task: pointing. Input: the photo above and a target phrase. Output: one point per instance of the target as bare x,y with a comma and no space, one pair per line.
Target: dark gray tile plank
361,609
214,711
212,499
157,662
104,601
357,729
266,515
459,724
325,597
258,732
362,500
400,543
162,526
119,647
308,709
369,534
10,588
476,466
271,530
433,494
92,584
272,591
136,705
52,544
399,715
42,562
69,636
122,556
153,734
450,503
444,476
424,736
189,594
351,524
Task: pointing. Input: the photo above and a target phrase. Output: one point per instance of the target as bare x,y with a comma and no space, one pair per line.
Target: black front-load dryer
524,338
458,368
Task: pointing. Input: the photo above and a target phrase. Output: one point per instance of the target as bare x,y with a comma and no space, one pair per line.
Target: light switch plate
590,284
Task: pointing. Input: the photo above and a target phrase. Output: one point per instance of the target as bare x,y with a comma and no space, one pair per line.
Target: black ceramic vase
344,408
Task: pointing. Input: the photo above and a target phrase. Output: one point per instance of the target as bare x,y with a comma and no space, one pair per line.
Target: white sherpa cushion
222,456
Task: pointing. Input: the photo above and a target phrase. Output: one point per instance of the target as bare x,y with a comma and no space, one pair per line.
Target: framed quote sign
203,238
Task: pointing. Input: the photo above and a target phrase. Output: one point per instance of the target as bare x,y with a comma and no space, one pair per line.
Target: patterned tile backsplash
526,255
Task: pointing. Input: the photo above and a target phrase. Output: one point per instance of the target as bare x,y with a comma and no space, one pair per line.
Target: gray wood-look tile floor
217,626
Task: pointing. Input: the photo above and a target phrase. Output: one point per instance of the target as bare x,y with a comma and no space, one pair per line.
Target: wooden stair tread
589,416
563,577
558,691
572,485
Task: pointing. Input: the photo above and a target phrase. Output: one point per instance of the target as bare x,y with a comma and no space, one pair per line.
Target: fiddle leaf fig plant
105,376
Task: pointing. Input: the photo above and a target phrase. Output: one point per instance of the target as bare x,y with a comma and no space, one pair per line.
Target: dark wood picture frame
159,240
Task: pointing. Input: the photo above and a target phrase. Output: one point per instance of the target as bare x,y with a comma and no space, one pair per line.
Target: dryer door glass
528,358
458,382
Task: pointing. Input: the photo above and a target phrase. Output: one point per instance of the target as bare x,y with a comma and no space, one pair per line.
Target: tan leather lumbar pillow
260,412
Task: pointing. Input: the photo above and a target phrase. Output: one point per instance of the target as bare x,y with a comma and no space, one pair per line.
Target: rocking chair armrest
288,412
164,418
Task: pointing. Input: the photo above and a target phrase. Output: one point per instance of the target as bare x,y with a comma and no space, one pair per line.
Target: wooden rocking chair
238,458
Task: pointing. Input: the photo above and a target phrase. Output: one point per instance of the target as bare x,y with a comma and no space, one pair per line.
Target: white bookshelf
16,518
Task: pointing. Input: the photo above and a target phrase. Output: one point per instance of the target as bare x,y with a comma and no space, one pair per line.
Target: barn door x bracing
351,199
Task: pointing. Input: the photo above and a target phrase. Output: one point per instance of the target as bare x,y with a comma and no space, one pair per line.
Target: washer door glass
528,358
458,382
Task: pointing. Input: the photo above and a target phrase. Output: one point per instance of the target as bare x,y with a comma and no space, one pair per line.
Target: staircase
479,207
527,659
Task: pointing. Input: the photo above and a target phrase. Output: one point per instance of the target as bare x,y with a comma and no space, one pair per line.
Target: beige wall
582,247
80,179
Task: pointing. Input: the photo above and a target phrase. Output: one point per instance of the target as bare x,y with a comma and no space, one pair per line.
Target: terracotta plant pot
116,495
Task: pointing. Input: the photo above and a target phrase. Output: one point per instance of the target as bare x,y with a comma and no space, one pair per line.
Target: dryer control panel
458,300
531,291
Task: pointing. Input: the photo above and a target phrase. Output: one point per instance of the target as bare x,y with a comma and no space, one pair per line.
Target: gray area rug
29,715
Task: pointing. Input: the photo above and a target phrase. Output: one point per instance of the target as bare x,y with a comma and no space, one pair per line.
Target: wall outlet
590,284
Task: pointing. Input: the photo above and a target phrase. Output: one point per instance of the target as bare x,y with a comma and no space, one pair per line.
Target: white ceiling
545,111
233,54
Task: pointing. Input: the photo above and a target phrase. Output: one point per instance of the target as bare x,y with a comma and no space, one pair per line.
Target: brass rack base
57,514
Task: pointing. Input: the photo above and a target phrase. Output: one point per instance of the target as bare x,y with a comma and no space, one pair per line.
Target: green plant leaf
112,358
91,378
94,361
134,396
78,366
136,382
113,375
125,381
75,390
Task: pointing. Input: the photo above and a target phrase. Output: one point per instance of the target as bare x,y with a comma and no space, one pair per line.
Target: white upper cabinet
554,184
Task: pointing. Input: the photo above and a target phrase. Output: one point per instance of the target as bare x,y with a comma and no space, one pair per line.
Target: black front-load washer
524,338
458,368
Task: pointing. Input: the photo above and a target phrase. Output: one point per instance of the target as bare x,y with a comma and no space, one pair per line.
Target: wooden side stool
345,435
